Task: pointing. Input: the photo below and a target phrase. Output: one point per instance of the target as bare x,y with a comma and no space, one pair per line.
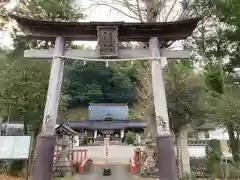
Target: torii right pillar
166,162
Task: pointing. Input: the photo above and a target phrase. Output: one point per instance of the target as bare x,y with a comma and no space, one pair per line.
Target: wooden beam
94,54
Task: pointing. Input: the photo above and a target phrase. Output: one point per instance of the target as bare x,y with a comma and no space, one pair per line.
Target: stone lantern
63,164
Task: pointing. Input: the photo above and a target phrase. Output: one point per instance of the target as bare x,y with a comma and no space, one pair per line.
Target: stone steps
101,143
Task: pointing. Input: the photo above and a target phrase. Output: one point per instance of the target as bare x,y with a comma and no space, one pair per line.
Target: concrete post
165,147
43,164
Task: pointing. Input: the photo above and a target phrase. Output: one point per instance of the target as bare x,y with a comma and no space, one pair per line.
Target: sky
98,14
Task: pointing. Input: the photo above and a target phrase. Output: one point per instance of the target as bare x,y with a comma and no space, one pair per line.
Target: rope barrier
110,60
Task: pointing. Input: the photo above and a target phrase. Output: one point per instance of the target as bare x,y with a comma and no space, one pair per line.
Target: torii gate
108,35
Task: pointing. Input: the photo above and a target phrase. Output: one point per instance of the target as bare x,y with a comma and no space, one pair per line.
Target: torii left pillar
43,164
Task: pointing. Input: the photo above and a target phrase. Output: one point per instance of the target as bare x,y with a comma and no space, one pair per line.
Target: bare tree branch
139,11
170,10
115,8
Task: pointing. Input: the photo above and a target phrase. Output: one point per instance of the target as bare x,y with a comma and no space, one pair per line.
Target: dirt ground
6,177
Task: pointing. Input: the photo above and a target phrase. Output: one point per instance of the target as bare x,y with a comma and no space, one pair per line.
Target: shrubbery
130,138
12,167
212,166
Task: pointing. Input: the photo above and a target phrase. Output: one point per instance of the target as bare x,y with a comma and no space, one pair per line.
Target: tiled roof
100,111
134,31
65,129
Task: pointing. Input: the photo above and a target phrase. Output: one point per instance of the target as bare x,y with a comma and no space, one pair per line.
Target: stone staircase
101,143
114,141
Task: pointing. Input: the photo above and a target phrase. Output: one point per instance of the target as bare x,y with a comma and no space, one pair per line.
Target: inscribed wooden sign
14,147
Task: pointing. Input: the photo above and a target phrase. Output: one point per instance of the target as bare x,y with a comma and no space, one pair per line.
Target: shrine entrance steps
101,143
119,172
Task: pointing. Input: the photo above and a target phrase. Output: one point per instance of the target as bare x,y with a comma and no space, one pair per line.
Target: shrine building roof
87,31
102,112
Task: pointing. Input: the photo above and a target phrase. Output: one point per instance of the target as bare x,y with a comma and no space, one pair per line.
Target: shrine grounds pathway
118,161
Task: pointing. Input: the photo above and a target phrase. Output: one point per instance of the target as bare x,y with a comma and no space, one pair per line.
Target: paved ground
118,161
119,172
116,154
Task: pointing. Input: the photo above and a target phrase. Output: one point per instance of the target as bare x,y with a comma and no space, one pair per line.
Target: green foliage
184,91
54,10
96,83
24,82
198,167
3,16
231,172
16,167
191,176
213,156
23,89
224,108
214,81
230,14
130,137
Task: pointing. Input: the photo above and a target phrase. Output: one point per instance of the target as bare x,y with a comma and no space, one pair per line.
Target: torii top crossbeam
87,31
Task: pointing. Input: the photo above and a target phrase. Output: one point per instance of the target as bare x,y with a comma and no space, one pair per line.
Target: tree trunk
234,145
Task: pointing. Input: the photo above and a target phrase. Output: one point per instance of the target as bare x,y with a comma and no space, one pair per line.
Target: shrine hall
108,119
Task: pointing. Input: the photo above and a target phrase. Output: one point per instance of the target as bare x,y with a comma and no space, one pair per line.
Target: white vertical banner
95,134
122,133
106,147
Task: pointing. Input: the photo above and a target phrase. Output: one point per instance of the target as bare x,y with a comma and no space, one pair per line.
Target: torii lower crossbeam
94,54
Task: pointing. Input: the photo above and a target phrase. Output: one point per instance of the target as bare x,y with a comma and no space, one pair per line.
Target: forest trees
96,83
82,84
218,52
184,90
24,82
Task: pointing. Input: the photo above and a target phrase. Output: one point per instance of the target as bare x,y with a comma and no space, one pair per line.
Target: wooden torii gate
108,34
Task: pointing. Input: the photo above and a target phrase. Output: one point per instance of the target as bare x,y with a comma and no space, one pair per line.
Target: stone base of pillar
43,163
166,162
